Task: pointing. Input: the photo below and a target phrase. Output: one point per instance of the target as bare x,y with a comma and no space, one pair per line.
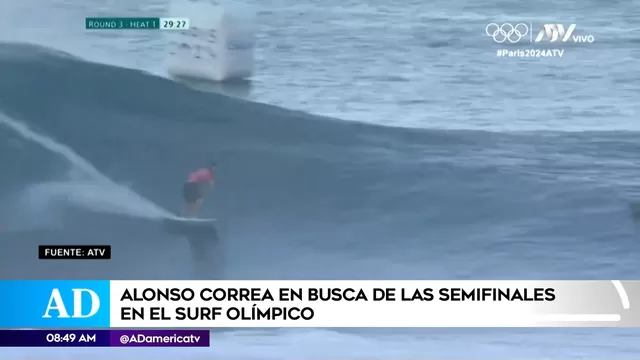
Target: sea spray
99,193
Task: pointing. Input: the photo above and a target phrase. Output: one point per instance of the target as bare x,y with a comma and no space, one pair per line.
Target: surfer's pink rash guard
201,176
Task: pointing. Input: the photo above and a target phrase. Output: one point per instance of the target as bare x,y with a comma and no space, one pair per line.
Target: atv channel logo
519,33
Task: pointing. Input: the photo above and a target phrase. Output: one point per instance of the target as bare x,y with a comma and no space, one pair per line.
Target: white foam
95,192
91,196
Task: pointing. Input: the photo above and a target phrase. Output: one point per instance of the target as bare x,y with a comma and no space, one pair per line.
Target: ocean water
388,141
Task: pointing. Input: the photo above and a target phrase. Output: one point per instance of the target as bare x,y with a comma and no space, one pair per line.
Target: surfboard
178,218
190,226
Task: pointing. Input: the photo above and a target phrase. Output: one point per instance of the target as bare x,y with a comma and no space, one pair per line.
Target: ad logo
56,303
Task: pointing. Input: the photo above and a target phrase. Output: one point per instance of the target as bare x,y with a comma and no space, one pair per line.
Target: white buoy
217,46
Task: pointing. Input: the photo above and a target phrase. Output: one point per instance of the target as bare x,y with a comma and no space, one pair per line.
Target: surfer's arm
207,178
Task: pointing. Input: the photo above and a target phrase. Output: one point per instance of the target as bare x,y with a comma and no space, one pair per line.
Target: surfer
192,189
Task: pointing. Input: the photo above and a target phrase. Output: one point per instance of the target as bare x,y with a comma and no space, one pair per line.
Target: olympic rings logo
507,32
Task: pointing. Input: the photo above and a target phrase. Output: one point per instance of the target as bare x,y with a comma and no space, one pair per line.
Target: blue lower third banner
45,304
104,338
